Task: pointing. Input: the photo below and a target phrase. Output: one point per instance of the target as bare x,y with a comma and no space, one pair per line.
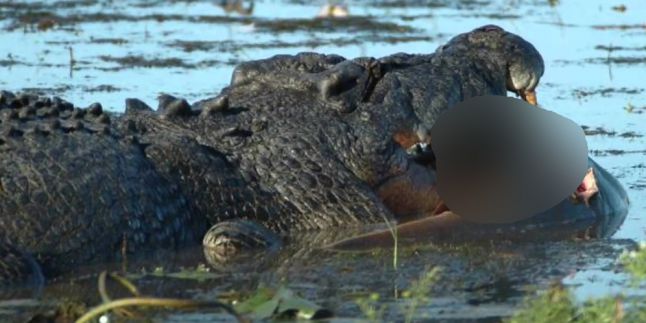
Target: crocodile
294,143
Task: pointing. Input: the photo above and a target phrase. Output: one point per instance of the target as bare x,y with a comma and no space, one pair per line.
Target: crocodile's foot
238,240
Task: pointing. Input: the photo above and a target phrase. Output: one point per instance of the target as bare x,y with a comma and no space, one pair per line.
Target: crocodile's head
485,61
505,61
502,51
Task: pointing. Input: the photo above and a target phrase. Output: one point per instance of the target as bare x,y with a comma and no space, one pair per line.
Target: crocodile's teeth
416,148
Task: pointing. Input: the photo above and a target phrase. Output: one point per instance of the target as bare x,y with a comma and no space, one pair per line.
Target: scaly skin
389,103
80,187
295,143
407,93
73,190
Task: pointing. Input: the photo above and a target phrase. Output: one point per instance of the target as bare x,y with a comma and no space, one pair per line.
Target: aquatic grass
554,305
105,298
557,303
65,311
393,232
602,310
372,310
418,293
119,306
634,262
265,303
175,303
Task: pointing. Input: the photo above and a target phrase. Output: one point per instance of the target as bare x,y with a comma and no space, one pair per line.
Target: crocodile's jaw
596,210
411,194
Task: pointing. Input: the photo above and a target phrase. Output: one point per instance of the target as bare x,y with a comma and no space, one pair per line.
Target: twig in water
72,61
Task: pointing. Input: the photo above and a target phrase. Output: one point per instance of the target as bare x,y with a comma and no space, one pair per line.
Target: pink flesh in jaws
588,188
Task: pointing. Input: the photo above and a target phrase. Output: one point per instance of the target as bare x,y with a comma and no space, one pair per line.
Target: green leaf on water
268,303
300,307
259,304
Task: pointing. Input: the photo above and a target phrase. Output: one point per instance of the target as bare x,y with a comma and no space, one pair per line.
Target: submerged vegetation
559,305
556,304
264,303
635,262
418,294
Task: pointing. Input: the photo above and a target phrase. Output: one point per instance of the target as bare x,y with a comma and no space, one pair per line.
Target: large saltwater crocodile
295,143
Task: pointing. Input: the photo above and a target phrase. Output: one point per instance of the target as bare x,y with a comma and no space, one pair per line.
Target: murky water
106,51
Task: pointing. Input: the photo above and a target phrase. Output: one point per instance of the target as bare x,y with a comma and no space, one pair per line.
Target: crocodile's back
70,186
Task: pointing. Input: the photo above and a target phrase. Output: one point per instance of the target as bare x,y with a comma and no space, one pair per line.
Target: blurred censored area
500,159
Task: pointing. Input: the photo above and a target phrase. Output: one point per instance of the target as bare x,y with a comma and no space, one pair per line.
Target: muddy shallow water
106,51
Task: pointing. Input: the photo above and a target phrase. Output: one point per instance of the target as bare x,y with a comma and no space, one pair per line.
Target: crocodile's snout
525,67
520,60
